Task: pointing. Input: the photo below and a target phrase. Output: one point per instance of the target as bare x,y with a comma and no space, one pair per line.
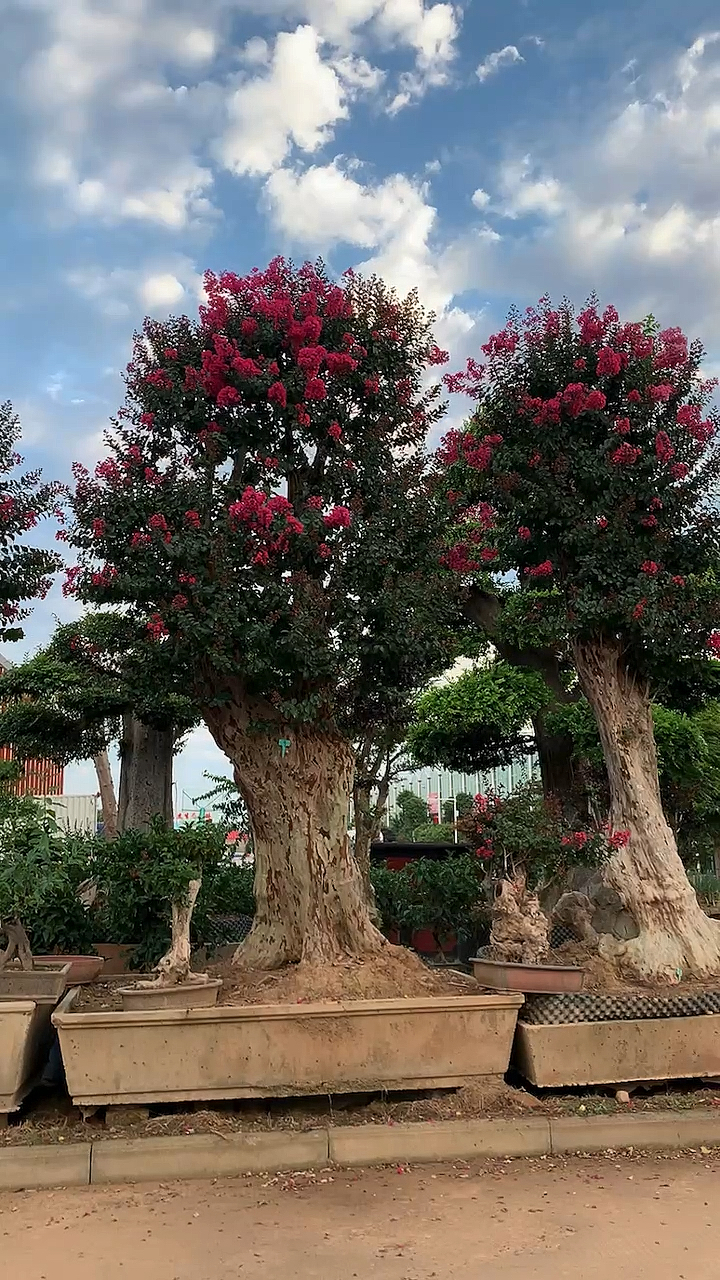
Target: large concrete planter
45,983
25,1036
580,1053
284,1050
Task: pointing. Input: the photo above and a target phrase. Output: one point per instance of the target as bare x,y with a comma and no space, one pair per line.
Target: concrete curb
196,1156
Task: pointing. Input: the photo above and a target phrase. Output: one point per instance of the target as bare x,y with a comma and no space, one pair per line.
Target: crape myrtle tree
589,471
264,501
100,680
25,571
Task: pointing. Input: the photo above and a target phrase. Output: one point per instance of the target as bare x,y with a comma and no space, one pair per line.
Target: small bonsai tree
527,845
170,869
588,472
265,502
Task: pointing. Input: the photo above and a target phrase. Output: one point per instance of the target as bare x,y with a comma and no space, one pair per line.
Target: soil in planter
392,974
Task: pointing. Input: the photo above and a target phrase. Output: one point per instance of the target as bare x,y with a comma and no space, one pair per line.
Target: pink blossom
649,522
663,447
187,579
227,397
543,570
309,360
634,396
98,528
481,802
372,386
580,364
157,627
678,581
619,839
574,397
679,470
193,519
315,389
622,426
170,353
335,431
524,532
158,521
302,415
602,522
650,568
661,392
436,356
488,554
609,362
139,539
626,455
248,327
338,518
179,601
159,379
590,325
324,551
639,610
315,503
714,642
535,459
595,401
245,368
147,419
261,557
277,394
339,363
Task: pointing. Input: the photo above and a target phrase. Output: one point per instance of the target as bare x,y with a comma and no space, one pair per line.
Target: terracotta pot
82,968
117,956
186,995
546,978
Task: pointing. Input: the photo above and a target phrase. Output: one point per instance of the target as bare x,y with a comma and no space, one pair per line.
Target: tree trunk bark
18,945
174,967
107,795
297,784
676,938
146,764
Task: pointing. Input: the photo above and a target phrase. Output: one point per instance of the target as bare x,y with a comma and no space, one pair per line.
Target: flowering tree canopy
264,504
588,471
25,571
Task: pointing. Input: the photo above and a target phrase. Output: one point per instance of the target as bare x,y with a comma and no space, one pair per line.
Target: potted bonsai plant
527,846
170,868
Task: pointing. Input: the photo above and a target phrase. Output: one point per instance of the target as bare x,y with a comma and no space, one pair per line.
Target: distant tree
411,812
25,571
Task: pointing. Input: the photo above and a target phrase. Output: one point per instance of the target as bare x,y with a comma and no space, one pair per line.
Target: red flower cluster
544,570
650,568
662,392
663,448
609,362
626,455
156,626
338,518
618,839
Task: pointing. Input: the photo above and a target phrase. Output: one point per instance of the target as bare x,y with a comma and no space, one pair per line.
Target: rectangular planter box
45,983
25,1036
266,1051
579,1053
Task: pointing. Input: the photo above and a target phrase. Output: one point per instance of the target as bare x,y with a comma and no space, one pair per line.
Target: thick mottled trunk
676,938
107,795
146,763
18,945
174,967
297,784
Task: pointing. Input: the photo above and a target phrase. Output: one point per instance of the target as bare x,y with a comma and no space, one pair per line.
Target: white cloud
299,101
156,286
324,205
480,198
163,290
433,34
495,61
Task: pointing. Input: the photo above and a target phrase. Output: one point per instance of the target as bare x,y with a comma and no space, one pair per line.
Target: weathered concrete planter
46,983
82,968
548,979
186,995
284,1050
25,1035
579,1053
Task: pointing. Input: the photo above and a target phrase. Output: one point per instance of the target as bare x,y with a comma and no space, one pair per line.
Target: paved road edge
229,1155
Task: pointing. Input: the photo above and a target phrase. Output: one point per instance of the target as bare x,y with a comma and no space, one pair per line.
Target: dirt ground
633,1218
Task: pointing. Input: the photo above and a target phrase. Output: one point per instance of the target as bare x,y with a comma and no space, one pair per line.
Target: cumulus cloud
298,101
496,61
632,209
158,287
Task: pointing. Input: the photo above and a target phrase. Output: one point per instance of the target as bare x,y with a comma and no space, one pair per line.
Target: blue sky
484,152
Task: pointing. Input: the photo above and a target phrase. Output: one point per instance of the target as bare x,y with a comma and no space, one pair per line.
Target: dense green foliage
442,896
25,571
478,720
